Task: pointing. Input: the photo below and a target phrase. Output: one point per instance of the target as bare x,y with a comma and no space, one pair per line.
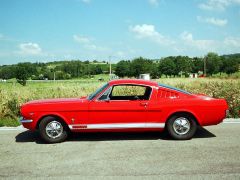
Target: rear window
173,88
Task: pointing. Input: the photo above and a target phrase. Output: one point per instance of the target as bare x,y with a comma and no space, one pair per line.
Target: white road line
19,128
231,122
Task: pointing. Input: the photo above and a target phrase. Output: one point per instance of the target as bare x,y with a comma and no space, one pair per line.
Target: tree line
171,66
54,70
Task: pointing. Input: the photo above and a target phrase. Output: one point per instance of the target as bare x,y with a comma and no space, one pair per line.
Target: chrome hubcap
54,129
181,126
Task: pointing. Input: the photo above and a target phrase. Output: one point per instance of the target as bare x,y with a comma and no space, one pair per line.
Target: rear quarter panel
206,110
209,112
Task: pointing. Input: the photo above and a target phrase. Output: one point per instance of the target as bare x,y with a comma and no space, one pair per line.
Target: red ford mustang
124,105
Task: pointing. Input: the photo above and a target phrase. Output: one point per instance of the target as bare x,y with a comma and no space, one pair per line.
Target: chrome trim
54,129
134,84
110,90
117,125
181,126
21,120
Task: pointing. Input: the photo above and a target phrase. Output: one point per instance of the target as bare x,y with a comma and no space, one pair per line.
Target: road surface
214,153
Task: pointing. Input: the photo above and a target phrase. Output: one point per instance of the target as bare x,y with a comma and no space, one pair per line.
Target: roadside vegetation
226,66
12,94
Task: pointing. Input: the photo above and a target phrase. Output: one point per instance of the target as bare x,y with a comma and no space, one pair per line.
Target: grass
12,95
9,122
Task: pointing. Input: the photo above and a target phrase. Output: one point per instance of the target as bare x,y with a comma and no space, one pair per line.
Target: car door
125,105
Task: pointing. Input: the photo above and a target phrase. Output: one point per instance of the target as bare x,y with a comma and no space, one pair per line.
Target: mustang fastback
124,105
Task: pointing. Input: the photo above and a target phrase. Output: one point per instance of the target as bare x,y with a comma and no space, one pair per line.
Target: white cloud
201,44
213,21
81,39
146,31
88,43
232,42
217,5
154,3
30,49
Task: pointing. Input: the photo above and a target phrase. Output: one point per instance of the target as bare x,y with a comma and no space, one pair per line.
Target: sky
50,30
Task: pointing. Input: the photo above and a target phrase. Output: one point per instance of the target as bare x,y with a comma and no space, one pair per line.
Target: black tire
58,134
177,130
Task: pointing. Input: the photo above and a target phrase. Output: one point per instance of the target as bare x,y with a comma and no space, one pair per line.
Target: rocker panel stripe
117,126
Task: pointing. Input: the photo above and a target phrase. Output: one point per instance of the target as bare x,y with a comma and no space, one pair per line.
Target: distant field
12,95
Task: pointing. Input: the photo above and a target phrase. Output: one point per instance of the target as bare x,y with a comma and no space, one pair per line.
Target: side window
105,95
130,92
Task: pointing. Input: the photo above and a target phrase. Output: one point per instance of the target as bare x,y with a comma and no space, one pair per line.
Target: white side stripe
117,125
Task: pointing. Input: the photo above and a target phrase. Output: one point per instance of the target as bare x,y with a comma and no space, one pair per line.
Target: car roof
133,81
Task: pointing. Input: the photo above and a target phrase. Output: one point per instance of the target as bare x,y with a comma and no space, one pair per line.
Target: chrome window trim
99,94
144,85
110,88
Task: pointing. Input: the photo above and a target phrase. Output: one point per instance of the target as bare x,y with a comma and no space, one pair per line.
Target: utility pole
205,66
110,67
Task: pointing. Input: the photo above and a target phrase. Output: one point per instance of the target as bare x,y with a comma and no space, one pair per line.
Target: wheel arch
57,116
183,112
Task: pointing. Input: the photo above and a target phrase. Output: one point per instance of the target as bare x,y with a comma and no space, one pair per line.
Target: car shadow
29,136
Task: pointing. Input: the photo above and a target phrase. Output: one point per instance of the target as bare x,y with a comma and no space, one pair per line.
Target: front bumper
22,120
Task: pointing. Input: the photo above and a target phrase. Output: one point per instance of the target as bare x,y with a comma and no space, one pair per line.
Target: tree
98,70
230,65
197,65
24,71
167,66
123,68
213,63
7,72
140,66
183,65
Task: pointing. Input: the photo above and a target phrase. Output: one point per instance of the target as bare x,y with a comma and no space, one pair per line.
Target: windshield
93,95
173,88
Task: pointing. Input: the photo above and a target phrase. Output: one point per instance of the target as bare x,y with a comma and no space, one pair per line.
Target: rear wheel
181,127
52,130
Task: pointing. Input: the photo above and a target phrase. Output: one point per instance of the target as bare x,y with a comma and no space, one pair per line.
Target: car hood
55,105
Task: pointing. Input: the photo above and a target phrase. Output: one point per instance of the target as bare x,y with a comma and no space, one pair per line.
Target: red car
124,105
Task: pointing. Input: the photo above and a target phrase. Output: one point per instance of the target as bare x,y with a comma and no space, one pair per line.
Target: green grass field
12,95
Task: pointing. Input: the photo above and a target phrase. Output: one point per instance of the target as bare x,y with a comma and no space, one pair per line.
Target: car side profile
124,105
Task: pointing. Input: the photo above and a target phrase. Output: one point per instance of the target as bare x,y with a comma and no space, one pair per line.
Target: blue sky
48,30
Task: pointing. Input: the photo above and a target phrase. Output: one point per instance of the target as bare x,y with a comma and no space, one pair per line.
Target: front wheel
52,130
181,127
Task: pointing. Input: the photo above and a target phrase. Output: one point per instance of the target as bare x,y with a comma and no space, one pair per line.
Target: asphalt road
214,153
